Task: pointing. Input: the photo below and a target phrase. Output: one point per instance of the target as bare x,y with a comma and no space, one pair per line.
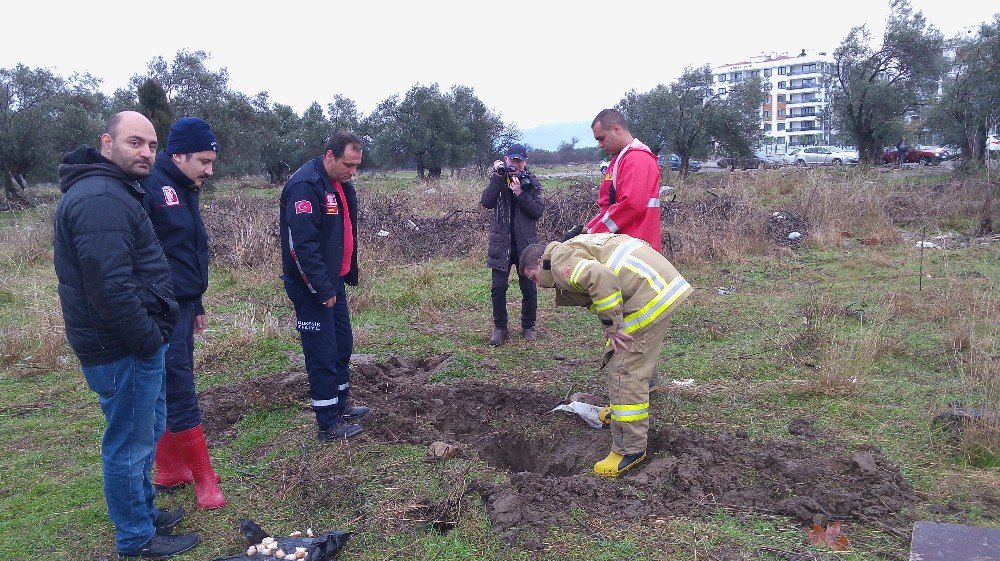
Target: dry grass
974,338
27,239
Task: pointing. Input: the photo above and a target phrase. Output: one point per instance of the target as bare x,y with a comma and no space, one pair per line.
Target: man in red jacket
629,198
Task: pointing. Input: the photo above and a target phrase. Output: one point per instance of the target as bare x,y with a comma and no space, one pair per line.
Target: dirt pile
223,407
548,456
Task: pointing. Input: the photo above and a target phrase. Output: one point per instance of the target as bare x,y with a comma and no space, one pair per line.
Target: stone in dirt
934,541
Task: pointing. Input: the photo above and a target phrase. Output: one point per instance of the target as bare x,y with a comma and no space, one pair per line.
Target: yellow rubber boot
616,464
604,414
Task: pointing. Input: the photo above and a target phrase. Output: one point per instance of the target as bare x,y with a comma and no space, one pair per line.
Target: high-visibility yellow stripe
629,418
643,270
621,252
660,304
607,302
574,277
629,413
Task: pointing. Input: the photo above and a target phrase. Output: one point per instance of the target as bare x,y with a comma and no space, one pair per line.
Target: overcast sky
532,62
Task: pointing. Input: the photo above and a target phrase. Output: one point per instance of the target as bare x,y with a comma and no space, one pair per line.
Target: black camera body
511,171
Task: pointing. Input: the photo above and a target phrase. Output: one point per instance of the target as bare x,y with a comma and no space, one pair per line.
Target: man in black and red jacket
171,202
319,256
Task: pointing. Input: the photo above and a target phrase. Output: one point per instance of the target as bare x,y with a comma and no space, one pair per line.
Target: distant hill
549,136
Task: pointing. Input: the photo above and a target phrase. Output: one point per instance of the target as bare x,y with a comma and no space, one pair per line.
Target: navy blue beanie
190,135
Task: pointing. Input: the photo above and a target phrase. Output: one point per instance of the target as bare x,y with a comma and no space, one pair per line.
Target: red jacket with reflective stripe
637,187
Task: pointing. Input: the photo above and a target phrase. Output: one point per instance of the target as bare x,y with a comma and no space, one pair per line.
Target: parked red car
923,155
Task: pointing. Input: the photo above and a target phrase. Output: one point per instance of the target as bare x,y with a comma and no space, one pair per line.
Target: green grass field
855,328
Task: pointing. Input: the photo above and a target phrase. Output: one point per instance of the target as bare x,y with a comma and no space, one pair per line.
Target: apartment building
798,89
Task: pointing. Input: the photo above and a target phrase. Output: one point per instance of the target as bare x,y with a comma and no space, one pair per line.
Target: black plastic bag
324,546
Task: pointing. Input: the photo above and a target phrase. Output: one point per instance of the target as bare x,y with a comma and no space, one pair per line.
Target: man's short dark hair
531,256
339,142
111,128
609,118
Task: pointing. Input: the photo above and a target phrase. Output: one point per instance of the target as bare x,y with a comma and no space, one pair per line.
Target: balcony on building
804,100
804,85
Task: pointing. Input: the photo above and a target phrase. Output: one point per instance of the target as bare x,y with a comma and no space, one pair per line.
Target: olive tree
875,86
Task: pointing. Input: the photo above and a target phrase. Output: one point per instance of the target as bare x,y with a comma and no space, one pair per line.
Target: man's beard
129,166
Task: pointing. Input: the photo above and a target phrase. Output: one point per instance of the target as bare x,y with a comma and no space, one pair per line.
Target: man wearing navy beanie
172,205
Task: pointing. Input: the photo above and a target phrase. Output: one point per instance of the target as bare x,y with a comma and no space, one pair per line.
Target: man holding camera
515,196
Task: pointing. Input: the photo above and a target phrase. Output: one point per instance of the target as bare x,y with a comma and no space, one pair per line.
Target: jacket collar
545,279
166,165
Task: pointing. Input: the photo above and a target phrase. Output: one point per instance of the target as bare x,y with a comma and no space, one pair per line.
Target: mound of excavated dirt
223,407
549,456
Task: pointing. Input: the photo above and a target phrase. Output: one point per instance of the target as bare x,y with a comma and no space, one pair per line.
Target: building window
720,78
767,87
781,85
781,112
767,127
781,126
755,73
722,91
735,76
767,114
767,72
782,69
781,98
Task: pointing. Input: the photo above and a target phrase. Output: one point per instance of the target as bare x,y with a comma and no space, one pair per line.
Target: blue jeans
132,394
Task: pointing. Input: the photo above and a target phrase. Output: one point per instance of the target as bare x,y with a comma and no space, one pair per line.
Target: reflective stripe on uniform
640,268
657,306
629,413
606,219
324,402
343,387
608,302
620,253
653,203
577,271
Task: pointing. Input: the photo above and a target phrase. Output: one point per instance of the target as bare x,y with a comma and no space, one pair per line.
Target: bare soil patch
548,456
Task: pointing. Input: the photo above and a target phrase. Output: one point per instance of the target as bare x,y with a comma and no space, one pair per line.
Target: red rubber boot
171,471
194,450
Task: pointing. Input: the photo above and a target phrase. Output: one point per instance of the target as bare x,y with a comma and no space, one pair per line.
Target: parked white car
788,158
825,155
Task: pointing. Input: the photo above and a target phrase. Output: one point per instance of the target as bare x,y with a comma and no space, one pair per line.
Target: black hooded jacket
172,204
514,218
114,282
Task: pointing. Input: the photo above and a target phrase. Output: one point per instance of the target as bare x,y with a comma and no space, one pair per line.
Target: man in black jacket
515,195
172,204
119,310
319,255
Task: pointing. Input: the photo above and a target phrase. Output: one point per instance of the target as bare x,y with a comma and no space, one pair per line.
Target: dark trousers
327,343
183,412
529,298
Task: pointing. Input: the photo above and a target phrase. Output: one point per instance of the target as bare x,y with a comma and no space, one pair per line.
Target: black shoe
160,547
498,336
167,519
529,334
340,431
353,413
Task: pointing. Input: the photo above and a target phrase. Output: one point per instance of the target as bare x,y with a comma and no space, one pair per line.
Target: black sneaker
340,431
161,547
167,519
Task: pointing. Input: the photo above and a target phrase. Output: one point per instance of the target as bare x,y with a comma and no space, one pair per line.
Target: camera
505,170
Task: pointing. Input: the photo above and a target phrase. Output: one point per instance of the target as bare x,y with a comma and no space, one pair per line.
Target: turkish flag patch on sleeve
303,207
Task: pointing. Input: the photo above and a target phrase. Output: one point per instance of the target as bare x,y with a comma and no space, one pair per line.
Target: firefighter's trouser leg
628,374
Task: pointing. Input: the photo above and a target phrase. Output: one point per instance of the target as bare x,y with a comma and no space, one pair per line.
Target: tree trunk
15,193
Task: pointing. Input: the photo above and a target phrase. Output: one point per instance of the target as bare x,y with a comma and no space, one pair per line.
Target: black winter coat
114,281
527,208
171,202
311,227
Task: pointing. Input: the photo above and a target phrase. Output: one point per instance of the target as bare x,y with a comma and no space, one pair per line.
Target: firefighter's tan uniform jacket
624,281
628,285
